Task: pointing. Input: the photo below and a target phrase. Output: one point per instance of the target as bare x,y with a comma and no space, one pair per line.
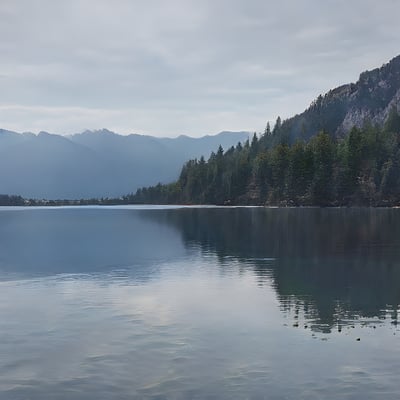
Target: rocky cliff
369,100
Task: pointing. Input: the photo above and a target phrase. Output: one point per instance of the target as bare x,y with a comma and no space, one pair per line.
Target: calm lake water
199,303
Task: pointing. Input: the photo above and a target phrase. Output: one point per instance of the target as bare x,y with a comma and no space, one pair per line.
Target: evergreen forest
359,169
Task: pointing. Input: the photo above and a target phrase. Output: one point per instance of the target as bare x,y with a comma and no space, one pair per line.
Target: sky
193,67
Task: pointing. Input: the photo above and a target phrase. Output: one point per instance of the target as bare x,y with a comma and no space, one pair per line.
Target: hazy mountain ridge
370,99
96,163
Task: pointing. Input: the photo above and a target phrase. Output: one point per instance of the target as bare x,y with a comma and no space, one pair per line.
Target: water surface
195,303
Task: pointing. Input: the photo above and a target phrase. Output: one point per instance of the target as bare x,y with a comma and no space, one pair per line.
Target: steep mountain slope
349,155
370,99
95,164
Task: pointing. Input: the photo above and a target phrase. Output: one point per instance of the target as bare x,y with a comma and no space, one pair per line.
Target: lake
199,303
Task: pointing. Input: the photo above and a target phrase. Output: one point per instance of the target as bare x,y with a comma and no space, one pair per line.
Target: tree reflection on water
329,267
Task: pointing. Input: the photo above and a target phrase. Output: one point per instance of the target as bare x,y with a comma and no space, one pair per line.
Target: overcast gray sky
181,66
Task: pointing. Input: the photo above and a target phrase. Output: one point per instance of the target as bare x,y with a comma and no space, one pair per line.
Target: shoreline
179,206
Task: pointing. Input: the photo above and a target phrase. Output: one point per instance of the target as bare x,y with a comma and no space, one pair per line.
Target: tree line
363,168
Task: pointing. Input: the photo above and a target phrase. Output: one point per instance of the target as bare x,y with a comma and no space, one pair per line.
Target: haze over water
194,303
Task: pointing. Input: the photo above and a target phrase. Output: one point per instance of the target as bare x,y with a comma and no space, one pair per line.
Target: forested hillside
361,169
343,150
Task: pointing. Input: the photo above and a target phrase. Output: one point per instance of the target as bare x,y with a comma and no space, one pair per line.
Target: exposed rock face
370,99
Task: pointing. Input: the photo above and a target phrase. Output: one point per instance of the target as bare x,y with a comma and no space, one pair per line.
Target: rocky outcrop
369,100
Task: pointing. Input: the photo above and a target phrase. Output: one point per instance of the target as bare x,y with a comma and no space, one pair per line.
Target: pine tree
277,127
267,130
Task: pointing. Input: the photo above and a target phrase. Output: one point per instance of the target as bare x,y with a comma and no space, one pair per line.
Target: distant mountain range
96,163
370,99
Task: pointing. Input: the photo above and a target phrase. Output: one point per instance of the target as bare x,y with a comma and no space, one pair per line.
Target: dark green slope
343,150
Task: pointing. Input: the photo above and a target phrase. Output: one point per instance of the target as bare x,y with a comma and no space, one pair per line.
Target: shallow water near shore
194,303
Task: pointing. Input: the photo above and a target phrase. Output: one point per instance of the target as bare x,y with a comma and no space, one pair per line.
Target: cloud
196,64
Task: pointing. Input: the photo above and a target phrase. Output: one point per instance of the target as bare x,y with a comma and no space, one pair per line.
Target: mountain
96,163
344,150
370,99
